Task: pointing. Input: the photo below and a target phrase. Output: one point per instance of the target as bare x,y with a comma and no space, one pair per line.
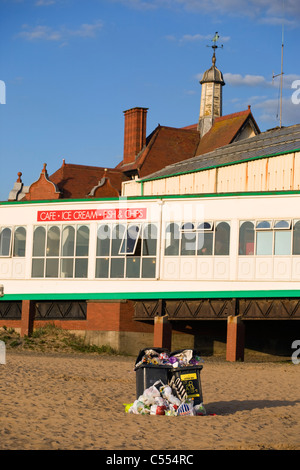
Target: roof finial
214,59
19,177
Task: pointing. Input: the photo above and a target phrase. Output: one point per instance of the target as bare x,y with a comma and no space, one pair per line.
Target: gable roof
164,146
225,130
169,145
272,142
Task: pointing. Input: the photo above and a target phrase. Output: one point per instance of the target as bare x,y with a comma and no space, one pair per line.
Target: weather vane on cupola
214,46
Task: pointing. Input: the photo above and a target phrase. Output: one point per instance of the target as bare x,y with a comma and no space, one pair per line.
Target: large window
60,251
197,239
12,241
246,241
296,237
126,251
269,237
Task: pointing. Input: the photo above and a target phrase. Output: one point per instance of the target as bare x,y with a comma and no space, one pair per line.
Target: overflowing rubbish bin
168,379
149,369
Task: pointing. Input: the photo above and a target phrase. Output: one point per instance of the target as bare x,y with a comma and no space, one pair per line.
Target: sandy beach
75,402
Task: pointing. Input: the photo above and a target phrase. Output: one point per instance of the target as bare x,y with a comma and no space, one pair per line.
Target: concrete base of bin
162,332
235,339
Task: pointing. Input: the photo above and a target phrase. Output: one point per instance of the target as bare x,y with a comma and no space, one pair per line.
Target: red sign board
92,214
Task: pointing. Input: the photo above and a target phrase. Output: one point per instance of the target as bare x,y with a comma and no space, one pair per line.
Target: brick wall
101,316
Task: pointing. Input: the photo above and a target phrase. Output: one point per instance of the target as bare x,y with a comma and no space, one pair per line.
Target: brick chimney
134,133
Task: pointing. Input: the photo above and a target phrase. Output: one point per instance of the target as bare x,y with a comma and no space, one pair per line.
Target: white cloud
270,111
46,33
259,10
43,3
140,4
236,79
202,37
86,30
40,32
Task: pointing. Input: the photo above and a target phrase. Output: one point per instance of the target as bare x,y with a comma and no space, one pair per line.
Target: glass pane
222,239
133,267
117,267
205,243
102,265
296,238
246,241
39,239
130,240
66,268
103,240
68,240
82,241
282,243
172,240
282,224
264,224
117,236
53,238
37,268
205,226
149,240
264,242
187,226
188,243
19,241
148,267
81,267
5,237
52,267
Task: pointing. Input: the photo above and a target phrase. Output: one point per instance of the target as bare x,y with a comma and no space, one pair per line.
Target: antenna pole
281,78
281,73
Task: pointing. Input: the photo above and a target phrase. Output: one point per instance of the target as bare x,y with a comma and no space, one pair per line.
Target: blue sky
71,67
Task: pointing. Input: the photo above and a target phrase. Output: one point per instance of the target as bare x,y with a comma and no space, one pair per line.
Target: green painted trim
156,295
219,166
162,197
62,201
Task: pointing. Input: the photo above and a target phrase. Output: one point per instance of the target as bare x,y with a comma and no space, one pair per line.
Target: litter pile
159,400
180,358
168,383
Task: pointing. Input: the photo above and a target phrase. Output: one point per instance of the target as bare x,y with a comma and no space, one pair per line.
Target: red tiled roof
76,181
166,145
224,130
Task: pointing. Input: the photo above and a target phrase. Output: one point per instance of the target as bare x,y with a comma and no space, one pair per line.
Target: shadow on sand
232,407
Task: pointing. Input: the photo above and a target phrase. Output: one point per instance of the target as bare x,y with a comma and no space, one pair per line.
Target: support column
162,332
235,339
28,312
